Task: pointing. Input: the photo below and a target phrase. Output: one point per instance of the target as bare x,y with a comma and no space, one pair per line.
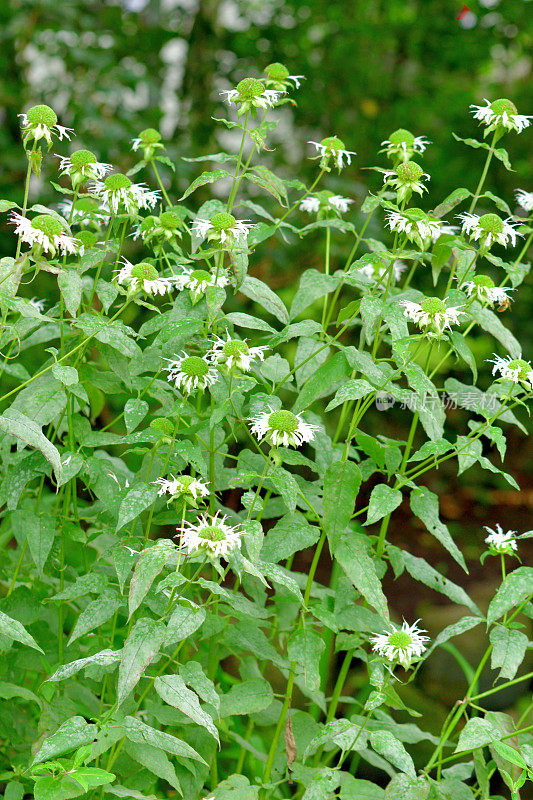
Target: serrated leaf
306,648
134,412
477,732
16,424
453,199
508,650
425,505
205,178
383,500
12,629
262,294
104,658
151,562
73,733
248,697
138,499
512,592
71,287
140,648
341,486
352,554
137,731
388,746
173,690
350,390
96,613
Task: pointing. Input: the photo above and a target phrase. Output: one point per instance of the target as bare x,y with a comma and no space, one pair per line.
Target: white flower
39,305
143,276
403,145
407,178
117,190
40,122
250,94
516,370
333,147
181,486
524,199
222,227
483,289
500,542
278,77
283,428
401,646
149,140
46,232
416,225
432,315
377,272
210,535
82,166
236,353
489,228
198,280
191,372
501,113
324,201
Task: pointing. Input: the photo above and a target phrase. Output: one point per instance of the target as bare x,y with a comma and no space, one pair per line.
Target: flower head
278,77
401,645
44,233
250,94
198,281
184,486
489,229
38,305
501,114
117,192
283,428
210,535
235,353
145,277
326,204
524,199
432,315
416,224
377,272
84,211
402,145
81,166
149,141
501,543
406,179
333,148
222,228
516,370
190,373
483,289
40,122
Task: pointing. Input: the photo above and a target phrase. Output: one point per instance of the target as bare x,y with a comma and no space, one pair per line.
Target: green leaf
266,179
102,659
512,592
39,530
341,486
306,648
388,746
477,732
71,287
151,562
285,485
14,423
67,375
155,760
383,500
248,697
350,390
352,554
313,285
425,505
322,380
455,629
13,630
173,690
95,614
194,675
204,178
134,412
402,787
508,650
290,534
262,294
490,323
138,499
73,733
140,648
183,622
453,199
137,731
510,754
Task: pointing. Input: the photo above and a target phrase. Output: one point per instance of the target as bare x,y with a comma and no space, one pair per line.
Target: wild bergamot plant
173,436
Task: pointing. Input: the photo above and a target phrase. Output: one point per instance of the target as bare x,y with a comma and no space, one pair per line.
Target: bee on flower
143,277
211,536
235,353
40,122
406,179
283,428
251,95
401,645
432,315
81,166
482,288
402,145
524,199
199,280
416,224
332,148
222,228
183,487
489,229
326,204
500,115
501,543
192,373
278,78
45,234
118,193
149,141
516,370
